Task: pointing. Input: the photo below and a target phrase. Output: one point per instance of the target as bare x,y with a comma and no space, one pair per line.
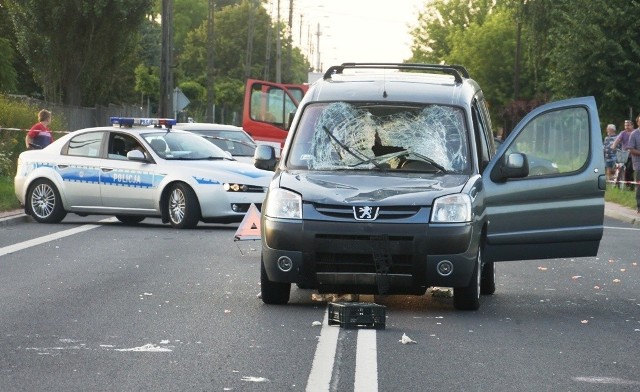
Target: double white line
366,377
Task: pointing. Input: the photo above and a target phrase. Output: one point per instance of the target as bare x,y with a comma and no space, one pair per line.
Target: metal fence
84,117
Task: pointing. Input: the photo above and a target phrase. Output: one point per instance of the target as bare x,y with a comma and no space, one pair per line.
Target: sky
353,30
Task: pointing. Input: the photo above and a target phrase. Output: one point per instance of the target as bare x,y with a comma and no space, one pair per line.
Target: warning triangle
249,228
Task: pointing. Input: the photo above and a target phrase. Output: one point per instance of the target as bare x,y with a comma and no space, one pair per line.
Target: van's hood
382,188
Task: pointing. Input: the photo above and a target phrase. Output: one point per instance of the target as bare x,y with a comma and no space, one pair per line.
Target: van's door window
271,104
556,142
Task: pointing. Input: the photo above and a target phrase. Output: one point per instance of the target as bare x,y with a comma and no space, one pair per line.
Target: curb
6,217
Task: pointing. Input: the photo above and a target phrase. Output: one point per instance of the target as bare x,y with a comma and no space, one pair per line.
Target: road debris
407,340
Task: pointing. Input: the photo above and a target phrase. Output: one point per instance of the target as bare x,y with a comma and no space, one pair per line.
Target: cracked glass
376,136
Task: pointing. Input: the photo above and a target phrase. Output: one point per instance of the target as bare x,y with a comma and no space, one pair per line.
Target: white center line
322,367
366,362
51,237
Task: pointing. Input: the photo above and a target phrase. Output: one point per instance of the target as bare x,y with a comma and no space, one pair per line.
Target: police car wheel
468,298
45,203
183,207
130,219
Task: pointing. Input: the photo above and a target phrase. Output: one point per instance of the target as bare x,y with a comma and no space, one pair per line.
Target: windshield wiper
362,158
429,161
376,160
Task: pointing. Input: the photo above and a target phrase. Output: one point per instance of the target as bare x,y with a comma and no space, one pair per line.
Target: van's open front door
267,109
558,209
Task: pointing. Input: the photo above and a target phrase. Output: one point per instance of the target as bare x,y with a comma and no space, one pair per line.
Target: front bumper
368,257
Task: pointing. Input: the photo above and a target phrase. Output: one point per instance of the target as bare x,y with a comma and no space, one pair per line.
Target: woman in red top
39,135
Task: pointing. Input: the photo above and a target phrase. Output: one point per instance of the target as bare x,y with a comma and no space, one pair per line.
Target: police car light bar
131,121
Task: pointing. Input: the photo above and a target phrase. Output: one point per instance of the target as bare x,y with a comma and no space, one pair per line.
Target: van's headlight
282,203
452,209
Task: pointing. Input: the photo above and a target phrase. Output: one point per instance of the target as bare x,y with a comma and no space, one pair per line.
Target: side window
482,141
271,104
120,145
86,145
555,142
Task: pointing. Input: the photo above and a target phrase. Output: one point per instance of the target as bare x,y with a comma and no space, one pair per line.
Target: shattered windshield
374,136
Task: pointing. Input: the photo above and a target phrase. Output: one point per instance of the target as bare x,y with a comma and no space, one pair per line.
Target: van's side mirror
265,157
514,165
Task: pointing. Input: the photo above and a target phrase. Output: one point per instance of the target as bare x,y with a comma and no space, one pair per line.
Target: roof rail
457,71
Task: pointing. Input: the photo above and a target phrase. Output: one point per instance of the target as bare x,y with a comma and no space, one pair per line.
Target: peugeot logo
366,213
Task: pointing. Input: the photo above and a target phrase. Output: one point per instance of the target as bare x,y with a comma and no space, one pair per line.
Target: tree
231,29
73,47
8,74
592,53
439,21
487,51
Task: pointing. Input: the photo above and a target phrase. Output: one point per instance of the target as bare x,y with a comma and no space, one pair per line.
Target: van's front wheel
273,293
468,298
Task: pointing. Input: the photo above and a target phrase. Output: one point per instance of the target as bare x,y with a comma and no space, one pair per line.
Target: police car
135,171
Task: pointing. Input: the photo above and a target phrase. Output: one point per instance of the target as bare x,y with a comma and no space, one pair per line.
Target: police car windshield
182,146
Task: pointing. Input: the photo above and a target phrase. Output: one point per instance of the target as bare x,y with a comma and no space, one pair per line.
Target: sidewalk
625,214
611,210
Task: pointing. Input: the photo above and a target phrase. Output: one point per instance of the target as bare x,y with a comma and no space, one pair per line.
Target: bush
21,116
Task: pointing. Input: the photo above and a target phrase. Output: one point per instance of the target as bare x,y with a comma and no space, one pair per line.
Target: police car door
126,185
558,209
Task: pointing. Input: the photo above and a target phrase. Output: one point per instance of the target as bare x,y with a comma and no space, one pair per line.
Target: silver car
133,172
229,138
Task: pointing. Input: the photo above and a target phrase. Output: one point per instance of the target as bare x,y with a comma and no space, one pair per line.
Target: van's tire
183,208
44,202
273,293
468,298
488,279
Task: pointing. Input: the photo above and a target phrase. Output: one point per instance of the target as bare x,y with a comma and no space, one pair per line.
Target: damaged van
390,183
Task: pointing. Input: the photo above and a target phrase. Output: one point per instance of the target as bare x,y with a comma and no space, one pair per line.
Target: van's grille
386,212
362,254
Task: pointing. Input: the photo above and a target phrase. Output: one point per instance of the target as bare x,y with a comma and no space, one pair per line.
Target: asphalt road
94,305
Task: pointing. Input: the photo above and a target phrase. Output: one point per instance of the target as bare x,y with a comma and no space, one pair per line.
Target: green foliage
76,49
8,200
232,25
148,80
625,198
565,49
8,74
487,52
590,42
439,22
20,116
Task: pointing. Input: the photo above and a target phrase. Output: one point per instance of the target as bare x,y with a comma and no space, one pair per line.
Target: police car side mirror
136,155
514,165
265,157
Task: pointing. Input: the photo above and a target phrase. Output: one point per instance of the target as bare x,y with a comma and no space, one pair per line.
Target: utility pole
267,55
252,27
318,64
287,67
210,110
278,48
166,63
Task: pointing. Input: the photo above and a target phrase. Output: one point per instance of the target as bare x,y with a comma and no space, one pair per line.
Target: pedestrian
610,153
622,142
634,149
40,136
